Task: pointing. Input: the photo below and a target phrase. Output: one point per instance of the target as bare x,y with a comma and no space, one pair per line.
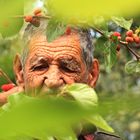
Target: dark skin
52,65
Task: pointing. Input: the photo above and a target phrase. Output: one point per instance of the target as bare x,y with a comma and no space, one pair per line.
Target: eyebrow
37,59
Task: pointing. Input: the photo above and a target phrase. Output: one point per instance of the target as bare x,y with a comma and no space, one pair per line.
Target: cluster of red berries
33,19
117,34
7,87
131,37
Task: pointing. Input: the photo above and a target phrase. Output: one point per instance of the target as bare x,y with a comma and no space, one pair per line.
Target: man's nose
53,78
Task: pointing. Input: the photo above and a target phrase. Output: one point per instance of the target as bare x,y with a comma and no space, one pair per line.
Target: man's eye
69,65
67,69
39,67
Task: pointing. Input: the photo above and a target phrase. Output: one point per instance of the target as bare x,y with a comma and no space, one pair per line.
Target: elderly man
43,64
66,60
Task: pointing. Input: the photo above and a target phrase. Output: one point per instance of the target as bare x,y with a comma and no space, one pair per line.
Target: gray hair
86,42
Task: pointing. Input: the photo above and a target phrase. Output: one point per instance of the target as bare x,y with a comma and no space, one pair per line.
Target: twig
97,30
22,16
2,73
131,50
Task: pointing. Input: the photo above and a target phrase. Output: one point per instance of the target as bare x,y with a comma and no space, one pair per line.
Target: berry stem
2,73
121,42
99,31
22,16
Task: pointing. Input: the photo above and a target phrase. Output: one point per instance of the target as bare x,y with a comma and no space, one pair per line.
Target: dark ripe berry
136,39
37,11
118,47
129,33
116,34
7,87
129,39
68,31
28,18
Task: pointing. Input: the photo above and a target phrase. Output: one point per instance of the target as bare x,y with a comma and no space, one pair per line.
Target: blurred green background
115,83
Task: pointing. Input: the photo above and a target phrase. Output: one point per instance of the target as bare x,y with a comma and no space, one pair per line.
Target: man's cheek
82,78
76,78
68,80
33,81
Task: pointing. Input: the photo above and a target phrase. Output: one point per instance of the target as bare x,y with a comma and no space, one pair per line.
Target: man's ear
94,73
18,70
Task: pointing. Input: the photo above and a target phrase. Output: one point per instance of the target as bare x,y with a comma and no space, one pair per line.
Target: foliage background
113,84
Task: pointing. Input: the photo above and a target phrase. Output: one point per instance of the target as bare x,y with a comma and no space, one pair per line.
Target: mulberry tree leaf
132,66
54,29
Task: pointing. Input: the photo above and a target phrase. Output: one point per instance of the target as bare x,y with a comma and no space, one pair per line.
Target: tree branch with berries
115,39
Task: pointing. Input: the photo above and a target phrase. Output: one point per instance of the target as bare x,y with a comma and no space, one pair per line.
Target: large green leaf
86,10
39,118
50,116
132,66
126,24
82,93
26,117
87,97
9,23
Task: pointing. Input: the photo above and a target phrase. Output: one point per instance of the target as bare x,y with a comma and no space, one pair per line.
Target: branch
97,30
22,16
121,42
131,50
2,73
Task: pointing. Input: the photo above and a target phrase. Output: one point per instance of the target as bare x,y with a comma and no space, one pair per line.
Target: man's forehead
66,40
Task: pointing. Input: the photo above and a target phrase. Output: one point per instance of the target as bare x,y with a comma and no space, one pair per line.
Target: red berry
136,39
116,34
68,31
28,18
37,11
129,33
129,39
7,87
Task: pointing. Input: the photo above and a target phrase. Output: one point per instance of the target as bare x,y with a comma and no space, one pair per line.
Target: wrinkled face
54,64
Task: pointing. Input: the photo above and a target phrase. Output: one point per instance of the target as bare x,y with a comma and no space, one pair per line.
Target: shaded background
114,83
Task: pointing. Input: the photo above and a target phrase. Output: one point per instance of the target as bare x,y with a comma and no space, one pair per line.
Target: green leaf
9,23
99,45
40,118
83,10
126,24
110,54
87,97
99,122
20,117
132,66
54,29
82,93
